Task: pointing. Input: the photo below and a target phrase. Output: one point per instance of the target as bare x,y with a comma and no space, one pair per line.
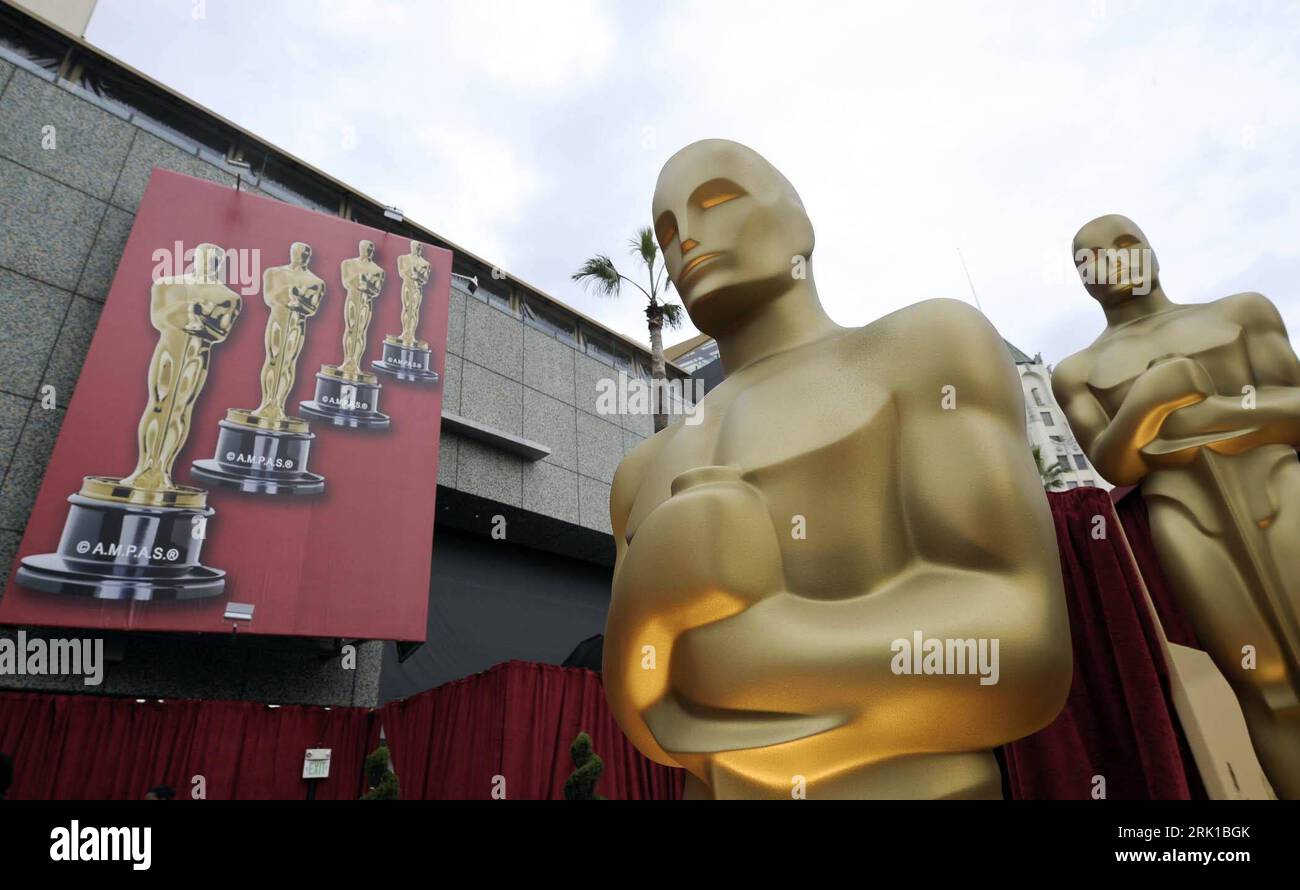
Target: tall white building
1047,427
1044,420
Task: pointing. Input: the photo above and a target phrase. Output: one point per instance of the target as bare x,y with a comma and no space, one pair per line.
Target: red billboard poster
253,442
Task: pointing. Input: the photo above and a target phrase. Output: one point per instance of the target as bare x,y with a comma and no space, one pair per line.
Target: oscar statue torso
1222,487
363,280
414,272
293,296
770,646
191,314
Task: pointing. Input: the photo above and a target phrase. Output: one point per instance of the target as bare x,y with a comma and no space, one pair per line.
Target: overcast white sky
532,132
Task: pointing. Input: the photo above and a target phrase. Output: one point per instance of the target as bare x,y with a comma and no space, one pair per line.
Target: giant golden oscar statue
1201,405
848,491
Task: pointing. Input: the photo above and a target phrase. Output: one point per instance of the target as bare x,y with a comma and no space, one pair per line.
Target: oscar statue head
417,249
366,250
731,229
300,255
209,263
1114,259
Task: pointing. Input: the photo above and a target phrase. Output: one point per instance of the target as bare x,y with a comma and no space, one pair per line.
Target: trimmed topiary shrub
582,784
381,780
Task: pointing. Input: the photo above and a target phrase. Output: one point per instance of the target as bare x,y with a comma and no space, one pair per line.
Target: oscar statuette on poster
405,356
264,450
138,537
346,395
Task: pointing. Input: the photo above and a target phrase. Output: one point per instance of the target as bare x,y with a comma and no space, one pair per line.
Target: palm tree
600,273
1049,473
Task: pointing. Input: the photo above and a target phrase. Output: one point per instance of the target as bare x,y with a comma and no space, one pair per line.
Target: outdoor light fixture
394,214
240,611
472,279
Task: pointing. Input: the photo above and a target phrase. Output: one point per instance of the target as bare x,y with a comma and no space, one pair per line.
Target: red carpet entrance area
508,729
83,747
513,724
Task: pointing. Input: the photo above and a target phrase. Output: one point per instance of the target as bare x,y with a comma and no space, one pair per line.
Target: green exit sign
316,765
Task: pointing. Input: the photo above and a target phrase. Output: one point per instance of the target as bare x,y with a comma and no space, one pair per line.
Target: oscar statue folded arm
1267,413
627,481
1115,444
984,566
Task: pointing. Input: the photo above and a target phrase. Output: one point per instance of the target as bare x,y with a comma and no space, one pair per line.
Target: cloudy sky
532,133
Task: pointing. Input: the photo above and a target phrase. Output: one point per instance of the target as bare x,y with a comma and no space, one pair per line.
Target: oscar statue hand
675,563
1174,378
209,318
1203,419
305,300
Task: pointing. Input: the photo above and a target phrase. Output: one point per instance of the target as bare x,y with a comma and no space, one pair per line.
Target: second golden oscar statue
138,537
346,395
405,356
264,450
1199,404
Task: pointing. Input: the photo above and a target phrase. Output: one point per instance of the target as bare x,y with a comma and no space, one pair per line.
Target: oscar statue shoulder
945,343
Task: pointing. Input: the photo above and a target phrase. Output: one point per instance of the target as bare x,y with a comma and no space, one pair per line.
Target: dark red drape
515,721
83,747
1118,722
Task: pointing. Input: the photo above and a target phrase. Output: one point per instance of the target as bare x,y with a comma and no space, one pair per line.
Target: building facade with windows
1048,429
524,436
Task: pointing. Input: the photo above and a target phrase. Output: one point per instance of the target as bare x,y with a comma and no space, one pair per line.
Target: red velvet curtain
515,721
82,747
1118,722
